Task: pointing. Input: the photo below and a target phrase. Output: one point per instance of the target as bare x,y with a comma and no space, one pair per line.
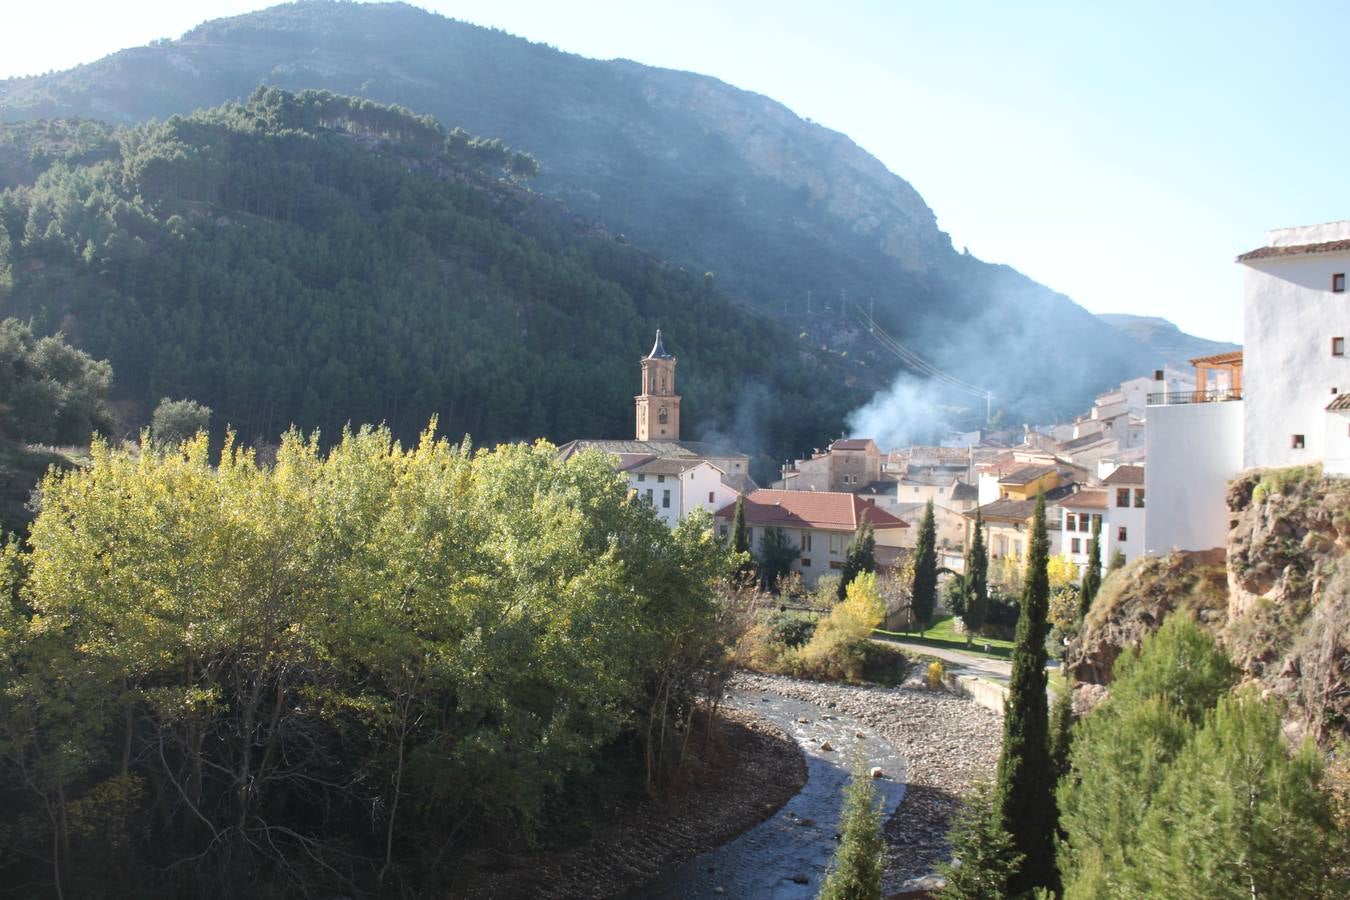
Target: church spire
659,349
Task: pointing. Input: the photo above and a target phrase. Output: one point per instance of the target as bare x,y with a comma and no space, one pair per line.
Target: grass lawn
943,634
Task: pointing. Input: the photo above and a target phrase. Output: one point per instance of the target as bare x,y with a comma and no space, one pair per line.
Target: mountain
1167,343
318,259
792,219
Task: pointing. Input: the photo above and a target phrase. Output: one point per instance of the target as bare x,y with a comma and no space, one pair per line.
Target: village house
675,487
820,524
1280,401
1007,522
1079,514
849,464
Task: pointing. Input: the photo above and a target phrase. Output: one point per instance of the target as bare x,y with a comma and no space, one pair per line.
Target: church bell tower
658,406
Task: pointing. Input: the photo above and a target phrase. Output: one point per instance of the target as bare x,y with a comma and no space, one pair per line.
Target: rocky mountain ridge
794,220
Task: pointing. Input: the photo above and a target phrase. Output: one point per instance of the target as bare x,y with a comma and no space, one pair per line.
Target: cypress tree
855,873
977,582
740,543
925,570
1092,578
860,557
1061,729
1026,780
985,857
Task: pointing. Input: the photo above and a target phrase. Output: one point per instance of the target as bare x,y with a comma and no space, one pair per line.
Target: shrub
934,674
984,858
793,628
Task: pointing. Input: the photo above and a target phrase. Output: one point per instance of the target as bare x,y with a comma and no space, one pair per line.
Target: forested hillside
319,260
694,170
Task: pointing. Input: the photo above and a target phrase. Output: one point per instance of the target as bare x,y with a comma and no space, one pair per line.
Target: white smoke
908,412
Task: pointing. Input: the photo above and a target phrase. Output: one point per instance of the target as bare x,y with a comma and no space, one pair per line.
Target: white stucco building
1297,321
676,487
1280,401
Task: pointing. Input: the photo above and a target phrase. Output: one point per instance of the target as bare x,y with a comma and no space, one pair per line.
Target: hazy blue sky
1123,156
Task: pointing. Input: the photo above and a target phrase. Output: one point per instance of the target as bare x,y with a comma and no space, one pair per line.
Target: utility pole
808,303
988,407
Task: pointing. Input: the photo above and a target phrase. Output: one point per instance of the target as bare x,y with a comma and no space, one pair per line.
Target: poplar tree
925,570
1092,578
976,582
1025,798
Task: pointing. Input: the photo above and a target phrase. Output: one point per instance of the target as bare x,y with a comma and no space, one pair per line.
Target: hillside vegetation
315,260
702,174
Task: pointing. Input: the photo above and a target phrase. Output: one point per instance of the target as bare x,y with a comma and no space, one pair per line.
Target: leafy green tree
1092,575
776,553
977,583
859,557
925,570
50,392
1026,784
985,856
176,421
855,872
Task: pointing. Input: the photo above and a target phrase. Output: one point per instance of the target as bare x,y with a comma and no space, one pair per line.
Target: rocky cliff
1280,604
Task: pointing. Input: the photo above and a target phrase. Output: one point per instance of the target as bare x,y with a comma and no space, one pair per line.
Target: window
1338,346
836,564
750,536
1138,498
1083,523
1338,283
1157,374
660,479
1070,521
1122,497
806,542
1297,442
1122,534
665,499
649,497
836,543
722,530
806,563
1076,545
642,478
710,497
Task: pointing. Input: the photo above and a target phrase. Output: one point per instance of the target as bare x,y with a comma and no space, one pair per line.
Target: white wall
1135,521
1194,449
1288,370
1337,448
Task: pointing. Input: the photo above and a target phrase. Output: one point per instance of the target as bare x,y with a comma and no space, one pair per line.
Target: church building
715,474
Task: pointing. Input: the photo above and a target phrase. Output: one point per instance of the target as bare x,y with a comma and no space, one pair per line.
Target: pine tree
977,583
985,857
860,557
925,570
855,873
1025,796
1092,576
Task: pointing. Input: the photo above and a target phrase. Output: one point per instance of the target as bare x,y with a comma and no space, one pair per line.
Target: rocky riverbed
948,743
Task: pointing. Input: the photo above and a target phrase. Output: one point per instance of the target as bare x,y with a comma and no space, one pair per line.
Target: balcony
1176,398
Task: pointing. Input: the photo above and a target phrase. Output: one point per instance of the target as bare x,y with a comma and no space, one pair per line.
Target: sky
1123,153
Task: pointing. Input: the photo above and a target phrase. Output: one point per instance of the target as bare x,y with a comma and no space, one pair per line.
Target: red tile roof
1296,250
824,510
851,444
1085,500
1341,403
1026,474
1126,475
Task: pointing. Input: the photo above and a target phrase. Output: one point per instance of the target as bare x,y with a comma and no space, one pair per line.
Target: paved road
785,856
999,670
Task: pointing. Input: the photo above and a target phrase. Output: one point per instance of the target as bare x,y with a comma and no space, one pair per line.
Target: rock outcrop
1279,602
